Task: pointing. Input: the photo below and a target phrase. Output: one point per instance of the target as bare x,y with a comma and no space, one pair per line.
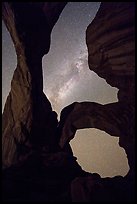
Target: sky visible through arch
67,78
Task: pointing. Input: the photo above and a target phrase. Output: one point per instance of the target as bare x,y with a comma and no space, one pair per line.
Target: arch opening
98,152
66,63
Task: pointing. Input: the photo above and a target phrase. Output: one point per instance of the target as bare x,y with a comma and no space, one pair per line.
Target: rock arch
110,41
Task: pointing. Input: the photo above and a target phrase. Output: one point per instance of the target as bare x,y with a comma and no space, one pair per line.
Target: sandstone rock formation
28,118
117,119
110,40
36,168
111,54
111,49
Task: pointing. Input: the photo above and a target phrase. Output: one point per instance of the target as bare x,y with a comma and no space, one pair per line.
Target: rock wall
110,40
111,46
40,169
28,119
111,54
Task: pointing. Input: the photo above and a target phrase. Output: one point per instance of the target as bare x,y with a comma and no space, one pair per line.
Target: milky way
67,78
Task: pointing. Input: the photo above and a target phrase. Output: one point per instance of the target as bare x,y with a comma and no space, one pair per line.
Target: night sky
67,78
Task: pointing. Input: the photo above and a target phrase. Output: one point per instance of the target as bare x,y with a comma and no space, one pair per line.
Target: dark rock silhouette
28,117
111,49
111,46
37,159
117,119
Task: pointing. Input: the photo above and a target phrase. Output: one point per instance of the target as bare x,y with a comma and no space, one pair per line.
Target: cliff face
34,146
28,118
111,54
111,46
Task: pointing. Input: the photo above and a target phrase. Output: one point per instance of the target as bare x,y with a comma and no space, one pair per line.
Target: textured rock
111,46
109,117
28,119
110,42
111,54
39,170
116,119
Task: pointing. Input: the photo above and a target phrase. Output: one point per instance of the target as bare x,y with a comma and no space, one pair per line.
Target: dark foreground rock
28,119
58,178
38,162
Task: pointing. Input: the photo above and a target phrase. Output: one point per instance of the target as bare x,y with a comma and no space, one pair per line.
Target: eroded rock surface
39,169
111,49
111,54
28,119
110,40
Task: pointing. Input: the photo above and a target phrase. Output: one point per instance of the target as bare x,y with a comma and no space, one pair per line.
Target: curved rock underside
35,147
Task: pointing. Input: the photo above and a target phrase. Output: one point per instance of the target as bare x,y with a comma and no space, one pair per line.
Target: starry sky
67,78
